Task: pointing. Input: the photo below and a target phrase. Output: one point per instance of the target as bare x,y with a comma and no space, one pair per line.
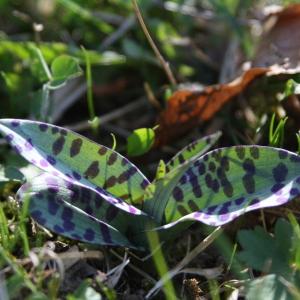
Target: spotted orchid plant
93,194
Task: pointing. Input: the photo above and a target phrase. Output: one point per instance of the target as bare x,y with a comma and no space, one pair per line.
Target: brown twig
162,61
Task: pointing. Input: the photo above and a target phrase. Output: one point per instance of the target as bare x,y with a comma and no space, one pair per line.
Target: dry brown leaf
187,108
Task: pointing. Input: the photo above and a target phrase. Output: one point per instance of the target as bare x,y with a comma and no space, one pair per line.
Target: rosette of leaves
93,194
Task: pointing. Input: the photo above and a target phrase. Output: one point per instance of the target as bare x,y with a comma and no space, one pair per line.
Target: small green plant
276,256
276,137
91,193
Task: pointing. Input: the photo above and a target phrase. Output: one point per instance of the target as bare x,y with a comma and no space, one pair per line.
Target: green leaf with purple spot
158,192
192,151
69,155
225,183
88,190
73,211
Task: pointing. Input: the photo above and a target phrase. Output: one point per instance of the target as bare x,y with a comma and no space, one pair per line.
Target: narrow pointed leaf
225,183
193,151
73,211
161,170
158,192
73,157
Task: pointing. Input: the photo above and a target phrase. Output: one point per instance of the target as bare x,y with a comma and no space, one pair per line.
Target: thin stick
162,61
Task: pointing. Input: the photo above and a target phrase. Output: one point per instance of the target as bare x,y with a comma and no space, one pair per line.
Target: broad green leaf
225,183
193,151
74,211
73,157
265,252
268,287
64,68
10,174
263,244
140,141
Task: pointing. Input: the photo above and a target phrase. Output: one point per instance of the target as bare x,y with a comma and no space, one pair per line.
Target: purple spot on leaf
124,162
183,179
58,145
277,187
255,202
18,149
53,206
58,229
102,150
53,190
44,163
75,147
224,217
295,158
224,208
215,185
15,123
112,158
63,131
177,194
249,166
201,168
76,175
132,210
54,130
280,172
239,201
282,154
67,214
43,127
144,183
197,215
9,137
51,160
93,170
89,234
281,200
105,233
38,216
294,192
28,144
132,171
68,226
51,181
211,209
89,210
